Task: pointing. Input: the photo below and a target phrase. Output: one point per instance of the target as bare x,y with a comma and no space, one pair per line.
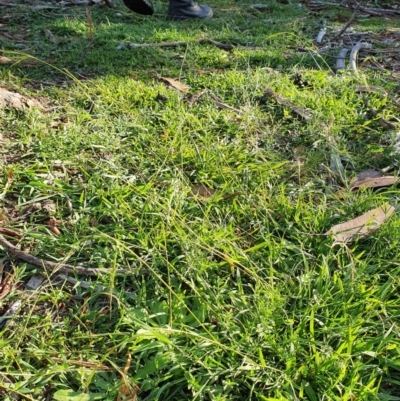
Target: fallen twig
306,115
340,59
354,52
195,97
380,11
91,365
3,3
57,267
223,105
348,23
9,232
223,46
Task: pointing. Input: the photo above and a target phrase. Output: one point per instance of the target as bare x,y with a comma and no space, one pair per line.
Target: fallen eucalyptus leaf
176,84
374,182
361,226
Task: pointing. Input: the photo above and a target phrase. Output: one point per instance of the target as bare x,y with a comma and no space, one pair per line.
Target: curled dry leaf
374,182
361,226
176,84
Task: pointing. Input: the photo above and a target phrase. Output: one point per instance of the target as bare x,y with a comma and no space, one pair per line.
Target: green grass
232,298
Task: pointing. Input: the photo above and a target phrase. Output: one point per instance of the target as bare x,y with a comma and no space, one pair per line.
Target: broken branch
56,267
348,23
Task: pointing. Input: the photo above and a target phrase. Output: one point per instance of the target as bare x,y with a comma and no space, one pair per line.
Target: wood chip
361,226
34,282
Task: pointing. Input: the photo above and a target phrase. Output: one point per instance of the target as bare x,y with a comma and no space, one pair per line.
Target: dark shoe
183,9
144,7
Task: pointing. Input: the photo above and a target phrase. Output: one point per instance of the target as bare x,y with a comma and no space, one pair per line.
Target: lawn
201,180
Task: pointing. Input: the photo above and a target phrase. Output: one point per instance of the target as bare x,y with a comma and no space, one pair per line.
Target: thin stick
223,46
85,364
58,267
349,22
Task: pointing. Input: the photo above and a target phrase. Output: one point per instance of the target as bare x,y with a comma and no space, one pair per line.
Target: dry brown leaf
14,100
176,84
374,182
128,392
361,226
203,191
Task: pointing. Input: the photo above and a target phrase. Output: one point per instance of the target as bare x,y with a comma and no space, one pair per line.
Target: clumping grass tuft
235,295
